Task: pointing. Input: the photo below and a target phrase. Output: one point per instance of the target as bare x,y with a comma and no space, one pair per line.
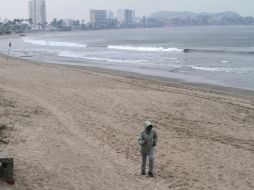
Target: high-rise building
110,15
37,12
112,22
125,17
31,14
98,18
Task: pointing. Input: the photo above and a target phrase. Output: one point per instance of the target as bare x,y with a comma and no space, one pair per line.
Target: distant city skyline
79,9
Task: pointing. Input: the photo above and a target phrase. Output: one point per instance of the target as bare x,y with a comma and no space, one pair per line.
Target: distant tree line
15,25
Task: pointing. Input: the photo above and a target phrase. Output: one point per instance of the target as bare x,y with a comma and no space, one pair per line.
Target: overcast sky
79,9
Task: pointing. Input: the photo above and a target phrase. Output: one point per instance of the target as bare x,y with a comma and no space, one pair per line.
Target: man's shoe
150,174
143,173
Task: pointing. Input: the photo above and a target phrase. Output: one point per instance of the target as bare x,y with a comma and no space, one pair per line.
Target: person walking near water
9,49
147,140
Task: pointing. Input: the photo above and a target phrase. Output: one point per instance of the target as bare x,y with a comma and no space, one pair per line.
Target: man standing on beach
147,140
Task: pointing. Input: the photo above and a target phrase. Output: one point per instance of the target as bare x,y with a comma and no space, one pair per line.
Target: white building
110,15
37,12
69,22
125,17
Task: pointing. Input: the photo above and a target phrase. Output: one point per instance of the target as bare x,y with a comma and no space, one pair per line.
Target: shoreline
195,77
164,80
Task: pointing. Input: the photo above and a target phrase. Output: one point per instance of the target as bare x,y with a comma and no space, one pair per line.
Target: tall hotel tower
37,12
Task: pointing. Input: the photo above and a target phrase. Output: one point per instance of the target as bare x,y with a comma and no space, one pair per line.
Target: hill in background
191,18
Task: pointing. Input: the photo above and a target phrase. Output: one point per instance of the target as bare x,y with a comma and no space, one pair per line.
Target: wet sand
71,128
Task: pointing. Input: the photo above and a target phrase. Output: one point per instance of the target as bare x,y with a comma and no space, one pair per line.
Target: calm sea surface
216,54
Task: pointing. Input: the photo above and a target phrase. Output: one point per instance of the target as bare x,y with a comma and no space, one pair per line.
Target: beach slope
70,128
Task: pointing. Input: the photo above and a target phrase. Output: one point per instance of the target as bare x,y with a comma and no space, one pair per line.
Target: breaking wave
178,68
227,70
53,43
149,49
82,56
217,51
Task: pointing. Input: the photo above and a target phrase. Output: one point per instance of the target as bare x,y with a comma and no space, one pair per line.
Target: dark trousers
150,155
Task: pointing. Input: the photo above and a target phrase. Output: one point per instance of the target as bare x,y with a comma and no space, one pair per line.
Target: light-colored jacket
150,138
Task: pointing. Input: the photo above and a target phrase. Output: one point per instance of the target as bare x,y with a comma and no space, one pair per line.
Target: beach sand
71,128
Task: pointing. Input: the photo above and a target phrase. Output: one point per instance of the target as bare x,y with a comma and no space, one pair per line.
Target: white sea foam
171,58
222,69
71,54
77,55
53,43
150,49
179,68
114,60
185,68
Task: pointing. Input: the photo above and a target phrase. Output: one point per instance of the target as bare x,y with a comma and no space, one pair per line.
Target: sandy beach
76,129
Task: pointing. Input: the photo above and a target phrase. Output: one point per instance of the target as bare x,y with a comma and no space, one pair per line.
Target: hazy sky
79,9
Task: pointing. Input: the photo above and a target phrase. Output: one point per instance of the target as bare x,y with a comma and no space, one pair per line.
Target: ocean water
220,55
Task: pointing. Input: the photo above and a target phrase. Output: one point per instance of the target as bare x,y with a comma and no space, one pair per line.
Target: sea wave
218,51
149,49
177,68
224,69
187,69
53,43
71,54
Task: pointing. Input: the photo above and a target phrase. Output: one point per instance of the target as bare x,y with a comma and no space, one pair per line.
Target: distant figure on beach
147,140
9,50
